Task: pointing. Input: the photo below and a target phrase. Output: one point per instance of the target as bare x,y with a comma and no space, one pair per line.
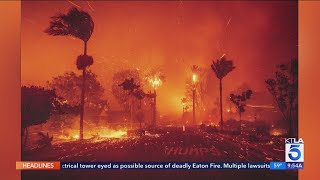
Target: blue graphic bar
278,165
295,165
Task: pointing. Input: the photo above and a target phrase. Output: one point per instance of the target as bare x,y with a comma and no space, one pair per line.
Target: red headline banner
38,165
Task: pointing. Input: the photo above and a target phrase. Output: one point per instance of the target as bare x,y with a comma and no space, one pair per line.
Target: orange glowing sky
173,35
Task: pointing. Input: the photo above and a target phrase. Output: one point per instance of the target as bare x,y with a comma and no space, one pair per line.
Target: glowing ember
156,82
101,133
112,134
277,132
76,136
194,78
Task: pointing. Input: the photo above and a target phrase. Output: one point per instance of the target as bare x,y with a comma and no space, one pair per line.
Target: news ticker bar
55,165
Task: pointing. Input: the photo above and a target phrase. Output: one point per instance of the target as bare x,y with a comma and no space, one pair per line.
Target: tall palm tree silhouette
78,24
221,68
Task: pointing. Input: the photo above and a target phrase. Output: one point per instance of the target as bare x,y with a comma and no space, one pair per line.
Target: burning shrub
45,140
277,132
37,105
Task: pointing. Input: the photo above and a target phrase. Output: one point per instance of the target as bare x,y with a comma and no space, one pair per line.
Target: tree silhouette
68,88
134,92
221,68
133,88
284,89
78,24
240,101
37,105
129,85
119,92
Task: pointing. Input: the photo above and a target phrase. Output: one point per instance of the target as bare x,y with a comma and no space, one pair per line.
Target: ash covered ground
164,145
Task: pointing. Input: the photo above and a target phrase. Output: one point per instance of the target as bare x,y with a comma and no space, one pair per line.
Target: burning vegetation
94,134
90,116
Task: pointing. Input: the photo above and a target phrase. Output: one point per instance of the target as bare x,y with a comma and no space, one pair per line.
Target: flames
75,136
194,78
277,132
112,133
95,134
155,82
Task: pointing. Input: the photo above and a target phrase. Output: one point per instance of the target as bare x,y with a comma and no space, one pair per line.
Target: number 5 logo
294,149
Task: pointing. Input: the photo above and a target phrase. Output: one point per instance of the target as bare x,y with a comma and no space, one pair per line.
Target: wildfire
96,134
155,82
277,132
112,134
194,78
75,136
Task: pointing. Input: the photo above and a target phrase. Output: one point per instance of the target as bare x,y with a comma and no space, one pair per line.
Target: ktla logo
294,150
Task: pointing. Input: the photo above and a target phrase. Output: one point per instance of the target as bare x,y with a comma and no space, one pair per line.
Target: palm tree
77,24
129,85
221,68
155,77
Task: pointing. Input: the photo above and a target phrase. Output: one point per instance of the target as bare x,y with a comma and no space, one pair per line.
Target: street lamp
194,78
194,81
